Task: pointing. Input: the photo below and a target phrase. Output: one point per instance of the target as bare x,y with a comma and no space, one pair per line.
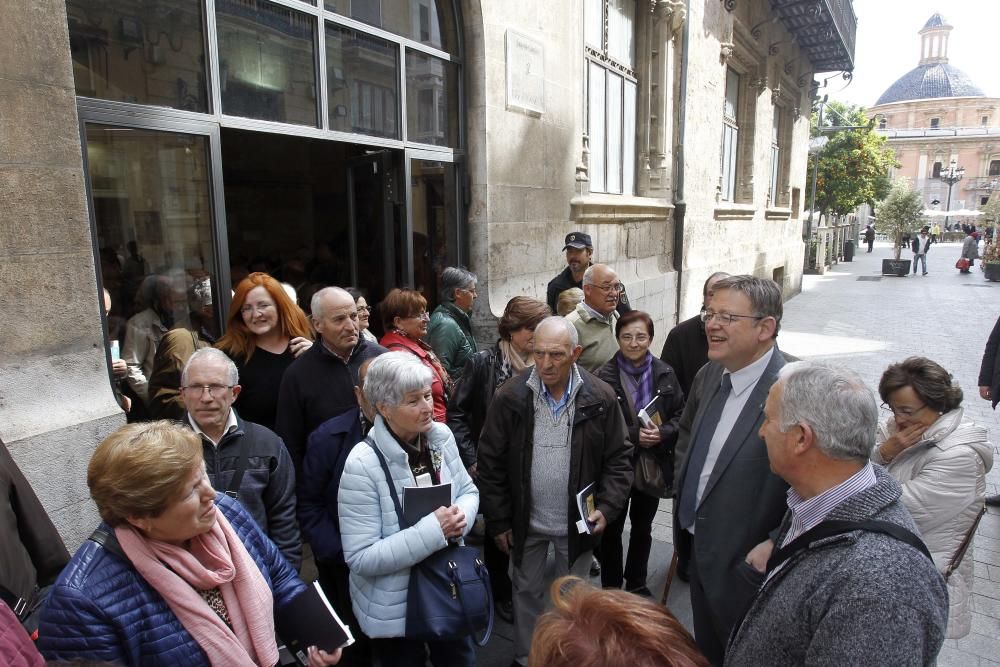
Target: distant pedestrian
970,250
870,237
935,233
855,594
920,245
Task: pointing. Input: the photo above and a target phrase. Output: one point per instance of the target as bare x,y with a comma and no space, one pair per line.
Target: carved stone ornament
726,50
671,10
730,5
776,94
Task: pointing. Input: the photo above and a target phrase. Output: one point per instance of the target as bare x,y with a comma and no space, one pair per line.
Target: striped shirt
807,514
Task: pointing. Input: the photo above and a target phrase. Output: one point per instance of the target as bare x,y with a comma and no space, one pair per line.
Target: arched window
994,168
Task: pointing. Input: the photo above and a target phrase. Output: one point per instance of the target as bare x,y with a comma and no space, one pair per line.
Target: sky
888,45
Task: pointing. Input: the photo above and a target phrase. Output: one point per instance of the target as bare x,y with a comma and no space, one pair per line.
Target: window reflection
434,201
129,51
152,217
429,22
266,61
363,82
431,100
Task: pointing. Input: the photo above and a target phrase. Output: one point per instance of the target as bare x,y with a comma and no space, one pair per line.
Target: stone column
55,393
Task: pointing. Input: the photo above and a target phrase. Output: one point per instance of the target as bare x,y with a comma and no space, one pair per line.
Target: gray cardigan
861,598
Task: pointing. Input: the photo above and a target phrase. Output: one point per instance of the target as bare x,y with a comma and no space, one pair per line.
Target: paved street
854,316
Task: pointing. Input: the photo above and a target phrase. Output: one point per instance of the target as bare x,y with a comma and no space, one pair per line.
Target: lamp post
953,174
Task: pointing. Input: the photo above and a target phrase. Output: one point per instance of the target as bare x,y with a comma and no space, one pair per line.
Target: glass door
377,245
433,205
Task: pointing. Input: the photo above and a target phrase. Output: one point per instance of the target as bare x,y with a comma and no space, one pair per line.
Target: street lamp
953,174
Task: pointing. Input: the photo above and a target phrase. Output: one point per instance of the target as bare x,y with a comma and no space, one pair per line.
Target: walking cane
670,577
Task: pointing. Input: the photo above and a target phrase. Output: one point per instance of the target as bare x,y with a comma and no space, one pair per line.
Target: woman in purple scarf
652,401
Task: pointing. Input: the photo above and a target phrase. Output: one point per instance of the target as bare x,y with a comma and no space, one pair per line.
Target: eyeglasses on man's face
725,319
214,390
612,287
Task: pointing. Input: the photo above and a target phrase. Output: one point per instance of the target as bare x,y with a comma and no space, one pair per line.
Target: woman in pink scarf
182,576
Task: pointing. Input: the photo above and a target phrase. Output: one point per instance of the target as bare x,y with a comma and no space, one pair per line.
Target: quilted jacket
450,334
944,485
101,610
379,554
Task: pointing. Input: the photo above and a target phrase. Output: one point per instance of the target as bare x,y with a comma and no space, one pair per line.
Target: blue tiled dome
928,81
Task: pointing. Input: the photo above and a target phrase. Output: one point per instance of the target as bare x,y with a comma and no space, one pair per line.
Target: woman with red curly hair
591,627
265,332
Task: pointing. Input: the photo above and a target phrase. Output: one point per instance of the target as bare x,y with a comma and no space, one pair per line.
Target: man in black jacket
244,460
579,251
320,383
550,433
686,348
31,552
989,382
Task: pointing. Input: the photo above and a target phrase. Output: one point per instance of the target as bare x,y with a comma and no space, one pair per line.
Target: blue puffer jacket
102,610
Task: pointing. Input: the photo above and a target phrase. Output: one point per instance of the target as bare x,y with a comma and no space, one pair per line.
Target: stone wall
55,396
751,235
527,172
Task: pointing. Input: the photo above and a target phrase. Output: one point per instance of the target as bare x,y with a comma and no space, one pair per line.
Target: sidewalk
855,317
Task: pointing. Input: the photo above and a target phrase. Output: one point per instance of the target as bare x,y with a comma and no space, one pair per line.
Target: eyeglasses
214,390
725,319
258,307
424,315
902,412
638,338
607,289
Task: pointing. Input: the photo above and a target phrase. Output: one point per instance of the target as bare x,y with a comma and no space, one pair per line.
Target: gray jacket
861,598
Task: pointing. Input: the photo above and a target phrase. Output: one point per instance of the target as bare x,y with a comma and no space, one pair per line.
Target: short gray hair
453,278
564,324
764,295
834,402
394,374
212,354
316,304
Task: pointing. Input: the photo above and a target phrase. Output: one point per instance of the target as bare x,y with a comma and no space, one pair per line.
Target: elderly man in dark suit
728,502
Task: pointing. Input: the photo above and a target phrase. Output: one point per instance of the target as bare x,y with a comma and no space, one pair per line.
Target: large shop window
141,52
430,22
363,82
431,100
153,222
266,61
609,34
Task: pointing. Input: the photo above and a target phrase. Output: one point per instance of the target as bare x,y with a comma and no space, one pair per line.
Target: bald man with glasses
595,317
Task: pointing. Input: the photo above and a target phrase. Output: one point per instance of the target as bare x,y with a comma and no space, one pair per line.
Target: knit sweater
550,464
597,338
860,598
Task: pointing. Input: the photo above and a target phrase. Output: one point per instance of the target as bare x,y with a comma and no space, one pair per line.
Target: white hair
834,402
212,354
392,375
316,305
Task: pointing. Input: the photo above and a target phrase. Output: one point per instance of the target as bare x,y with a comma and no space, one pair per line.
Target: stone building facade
179,145
935,115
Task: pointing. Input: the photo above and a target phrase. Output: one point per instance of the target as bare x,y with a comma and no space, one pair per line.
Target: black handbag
449,595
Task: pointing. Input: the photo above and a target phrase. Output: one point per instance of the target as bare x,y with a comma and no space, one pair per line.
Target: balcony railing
983,183
824,29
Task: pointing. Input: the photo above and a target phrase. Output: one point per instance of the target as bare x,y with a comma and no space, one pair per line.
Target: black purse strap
833,528
110,543
388,478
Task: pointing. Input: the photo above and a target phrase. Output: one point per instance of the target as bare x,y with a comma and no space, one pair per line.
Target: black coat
470,399
31,551
600,452
670,405
989,372
686,351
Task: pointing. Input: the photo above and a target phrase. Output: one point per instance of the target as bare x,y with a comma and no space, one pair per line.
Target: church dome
932,80
933,77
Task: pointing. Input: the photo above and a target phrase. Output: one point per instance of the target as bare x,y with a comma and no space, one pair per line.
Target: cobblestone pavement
855,317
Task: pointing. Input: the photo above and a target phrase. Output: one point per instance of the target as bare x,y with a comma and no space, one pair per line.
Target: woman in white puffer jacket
940,458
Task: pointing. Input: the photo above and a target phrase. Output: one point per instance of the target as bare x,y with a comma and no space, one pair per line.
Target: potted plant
900,212
991,262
